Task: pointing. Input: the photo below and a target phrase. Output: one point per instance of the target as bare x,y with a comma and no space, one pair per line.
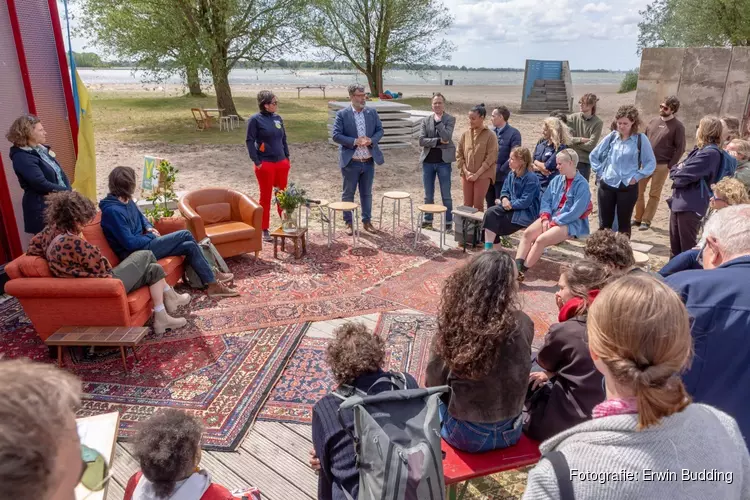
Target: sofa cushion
226,232
94,234
27,266
215,213
137,299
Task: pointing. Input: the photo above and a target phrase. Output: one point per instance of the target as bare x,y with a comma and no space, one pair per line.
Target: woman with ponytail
639,339
565,392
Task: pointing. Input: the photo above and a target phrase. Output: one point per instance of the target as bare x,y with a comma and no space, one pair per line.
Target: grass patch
629,82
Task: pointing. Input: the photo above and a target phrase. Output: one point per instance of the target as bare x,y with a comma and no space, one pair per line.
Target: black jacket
37,179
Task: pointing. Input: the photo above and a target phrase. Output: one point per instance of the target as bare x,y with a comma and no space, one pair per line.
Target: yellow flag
85,175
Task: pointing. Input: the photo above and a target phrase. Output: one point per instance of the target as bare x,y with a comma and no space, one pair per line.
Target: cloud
596,7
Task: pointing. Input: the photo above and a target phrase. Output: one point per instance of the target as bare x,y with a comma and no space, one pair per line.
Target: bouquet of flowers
289,200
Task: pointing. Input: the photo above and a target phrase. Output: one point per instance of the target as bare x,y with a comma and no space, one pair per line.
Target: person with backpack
356,358
482,351
691,178
621,160
568,388
647,440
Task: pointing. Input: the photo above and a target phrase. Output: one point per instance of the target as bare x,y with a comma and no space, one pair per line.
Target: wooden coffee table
298,236
98,336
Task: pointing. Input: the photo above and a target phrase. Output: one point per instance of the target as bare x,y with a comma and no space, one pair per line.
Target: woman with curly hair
555,138
482,350
355,357
69,255
620,161
611,250
568,388
36,167
168,450
639,339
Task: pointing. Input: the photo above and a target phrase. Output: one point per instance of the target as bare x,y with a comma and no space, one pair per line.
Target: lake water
392,78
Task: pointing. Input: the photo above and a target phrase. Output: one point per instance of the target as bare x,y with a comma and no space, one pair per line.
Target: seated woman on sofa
565,393
566,205
482,350
519,201
70,256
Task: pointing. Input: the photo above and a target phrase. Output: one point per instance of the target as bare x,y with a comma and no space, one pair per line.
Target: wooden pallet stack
398,125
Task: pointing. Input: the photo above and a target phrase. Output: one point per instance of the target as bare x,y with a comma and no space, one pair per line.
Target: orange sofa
52,302
230,219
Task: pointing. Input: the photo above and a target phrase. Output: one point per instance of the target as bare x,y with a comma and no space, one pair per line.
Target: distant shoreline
334,71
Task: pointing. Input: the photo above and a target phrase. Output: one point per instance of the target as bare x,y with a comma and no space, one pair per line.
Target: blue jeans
478,438
681,262
358,174
443,172
183,243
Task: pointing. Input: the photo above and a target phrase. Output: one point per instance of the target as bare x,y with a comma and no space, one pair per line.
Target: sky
504,33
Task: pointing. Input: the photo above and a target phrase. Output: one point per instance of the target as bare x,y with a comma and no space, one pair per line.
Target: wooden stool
225,123
641,259
435,210
343,206
295,236
397,196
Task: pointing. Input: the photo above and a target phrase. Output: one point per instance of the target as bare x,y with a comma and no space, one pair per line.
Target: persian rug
222,378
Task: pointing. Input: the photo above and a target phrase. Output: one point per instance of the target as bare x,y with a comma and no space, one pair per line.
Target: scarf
619,406
571,307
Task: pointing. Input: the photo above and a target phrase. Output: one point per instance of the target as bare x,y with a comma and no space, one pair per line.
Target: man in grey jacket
438,152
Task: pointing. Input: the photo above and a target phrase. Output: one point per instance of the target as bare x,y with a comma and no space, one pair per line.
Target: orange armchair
229,218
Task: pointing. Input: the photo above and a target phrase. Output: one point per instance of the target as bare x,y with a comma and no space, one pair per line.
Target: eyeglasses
716,198
274,103
95,472
664,107
700,253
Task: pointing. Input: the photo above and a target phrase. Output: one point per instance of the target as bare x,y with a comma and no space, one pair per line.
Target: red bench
461,467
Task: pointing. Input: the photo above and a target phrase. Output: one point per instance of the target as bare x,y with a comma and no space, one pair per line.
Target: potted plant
289,200
161,215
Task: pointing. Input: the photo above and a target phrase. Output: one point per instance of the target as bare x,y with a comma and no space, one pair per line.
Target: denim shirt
616,161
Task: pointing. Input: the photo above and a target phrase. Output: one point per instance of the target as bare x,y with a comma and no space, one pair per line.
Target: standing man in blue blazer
357,130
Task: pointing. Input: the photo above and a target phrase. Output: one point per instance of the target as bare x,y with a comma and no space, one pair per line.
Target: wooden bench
321,87
460,467
99,336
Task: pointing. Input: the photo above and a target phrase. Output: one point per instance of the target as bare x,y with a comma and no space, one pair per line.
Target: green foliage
88,60
164,194
290,198
629,82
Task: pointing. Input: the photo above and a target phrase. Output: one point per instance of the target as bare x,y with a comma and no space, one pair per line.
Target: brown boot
369,227
217,290
223,277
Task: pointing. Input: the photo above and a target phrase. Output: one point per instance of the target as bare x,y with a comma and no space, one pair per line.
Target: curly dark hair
631,113
477,314
68,211
167,448
610,249
673,102
354,351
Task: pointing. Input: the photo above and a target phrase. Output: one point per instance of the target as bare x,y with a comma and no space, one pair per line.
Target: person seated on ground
519,201
555,138
565,213
128,230
717,299
356,358
639,338
482,350
168,451
727,192
40,450
565,393
740,149
613,251
69,255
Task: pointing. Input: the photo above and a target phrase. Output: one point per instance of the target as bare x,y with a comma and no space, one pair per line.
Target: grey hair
570,153
731,228
354,87
264,97
36,401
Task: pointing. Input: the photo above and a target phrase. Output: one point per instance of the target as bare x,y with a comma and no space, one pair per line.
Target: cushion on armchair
215,213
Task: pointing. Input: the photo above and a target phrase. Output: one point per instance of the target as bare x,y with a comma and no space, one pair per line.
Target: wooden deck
273,456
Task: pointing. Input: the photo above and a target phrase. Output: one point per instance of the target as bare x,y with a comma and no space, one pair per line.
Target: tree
690,23
376,34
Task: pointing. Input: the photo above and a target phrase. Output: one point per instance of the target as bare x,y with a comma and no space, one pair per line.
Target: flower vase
288,221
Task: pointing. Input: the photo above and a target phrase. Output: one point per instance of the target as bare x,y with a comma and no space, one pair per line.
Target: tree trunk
220,75
194,81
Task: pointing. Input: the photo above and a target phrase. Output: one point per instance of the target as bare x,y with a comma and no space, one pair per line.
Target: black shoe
448,227
427,225
267,236
645,226
636,223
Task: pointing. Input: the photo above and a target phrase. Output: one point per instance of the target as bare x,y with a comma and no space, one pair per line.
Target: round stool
435,210
397,196
641,259
343,206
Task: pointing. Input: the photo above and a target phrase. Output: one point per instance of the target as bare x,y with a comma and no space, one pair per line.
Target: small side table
97,336
299,235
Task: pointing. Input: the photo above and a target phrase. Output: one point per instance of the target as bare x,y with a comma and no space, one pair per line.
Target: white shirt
362,152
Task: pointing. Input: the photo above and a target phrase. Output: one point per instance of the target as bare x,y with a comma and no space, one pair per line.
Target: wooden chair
202,120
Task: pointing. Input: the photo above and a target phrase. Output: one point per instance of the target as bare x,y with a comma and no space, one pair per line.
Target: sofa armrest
83,288
194,221
250,211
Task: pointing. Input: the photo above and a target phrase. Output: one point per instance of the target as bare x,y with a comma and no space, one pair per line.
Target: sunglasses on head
95,472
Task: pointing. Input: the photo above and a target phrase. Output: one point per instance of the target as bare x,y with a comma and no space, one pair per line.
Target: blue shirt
361,153
616,161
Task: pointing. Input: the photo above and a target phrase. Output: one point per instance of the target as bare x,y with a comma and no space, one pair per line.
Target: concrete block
704,74
659,76
737,85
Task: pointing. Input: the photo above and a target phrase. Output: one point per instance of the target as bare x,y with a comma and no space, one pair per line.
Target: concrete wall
708,81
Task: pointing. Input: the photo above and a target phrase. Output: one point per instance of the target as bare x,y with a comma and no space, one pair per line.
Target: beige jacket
477,152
